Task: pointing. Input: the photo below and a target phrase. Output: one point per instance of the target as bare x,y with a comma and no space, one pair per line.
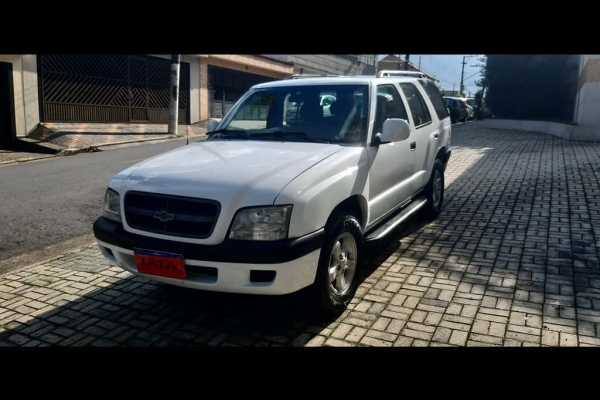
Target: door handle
413,146
436,136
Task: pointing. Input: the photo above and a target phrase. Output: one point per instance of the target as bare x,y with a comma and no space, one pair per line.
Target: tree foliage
530,86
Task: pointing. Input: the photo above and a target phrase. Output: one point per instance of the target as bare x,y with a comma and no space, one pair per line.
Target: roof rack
300,76
388,73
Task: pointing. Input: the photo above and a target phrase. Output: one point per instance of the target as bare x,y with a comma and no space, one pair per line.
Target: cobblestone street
512,261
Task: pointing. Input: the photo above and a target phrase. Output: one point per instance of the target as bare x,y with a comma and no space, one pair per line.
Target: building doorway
7,107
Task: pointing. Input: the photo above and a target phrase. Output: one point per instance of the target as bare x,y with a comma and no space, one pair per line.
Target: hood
236,173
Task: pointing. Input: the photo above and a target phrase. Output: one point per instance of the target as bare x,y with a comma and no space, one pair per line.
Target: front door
7,125
391,164
424,131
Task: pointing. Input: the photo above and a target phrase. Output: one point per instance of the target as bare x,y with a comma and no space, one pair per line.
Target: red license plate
158,263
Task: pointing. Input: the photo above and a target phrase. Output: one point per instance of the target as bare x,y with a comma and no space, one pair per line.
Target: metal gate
109,88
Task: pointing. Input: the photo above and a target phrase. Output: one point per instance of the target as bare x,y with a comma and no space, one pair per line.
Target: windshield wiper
228,133
293,135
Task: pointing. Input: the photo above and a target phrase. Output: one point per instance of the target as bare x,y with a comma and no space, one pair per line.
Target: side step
387,227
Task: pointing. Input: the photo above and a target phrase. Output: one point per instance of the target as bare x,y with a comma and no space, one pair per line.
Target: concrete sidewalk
52,139
11,157
81,136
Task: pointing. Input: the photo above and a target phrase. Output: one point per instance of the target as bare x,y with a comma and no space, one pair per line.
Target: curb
48,260
20,160
94,148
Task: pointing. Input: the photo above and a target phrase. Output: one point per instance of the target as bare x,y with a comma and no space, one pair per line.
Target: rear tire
339,269
434,192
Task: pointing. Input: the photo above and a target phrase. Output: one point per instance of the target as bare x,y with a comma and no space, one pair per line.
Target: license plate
158,263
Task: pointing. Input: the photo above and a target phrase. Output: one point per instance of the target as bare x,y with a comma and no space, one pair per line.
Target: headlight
112,206
261,223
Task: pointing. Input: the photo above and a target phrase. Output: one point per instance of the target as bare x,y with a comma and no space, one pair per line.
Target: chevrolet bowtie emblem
164,216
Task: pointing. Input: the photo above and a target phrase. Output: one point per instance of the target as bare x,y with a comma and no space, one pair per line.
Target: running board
383,230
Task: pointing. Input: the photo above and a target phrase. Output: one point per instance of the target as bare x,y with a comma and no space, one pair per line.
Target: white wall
587,102
25,92
588,105
30,92
194,105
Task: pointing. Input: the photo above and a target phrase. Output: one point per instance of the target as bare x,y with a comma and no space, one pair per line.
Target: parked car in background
470,107
459,111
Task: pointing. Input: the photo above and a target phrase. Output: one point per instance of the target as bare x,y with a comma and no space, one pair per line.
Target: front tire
434,192
339,267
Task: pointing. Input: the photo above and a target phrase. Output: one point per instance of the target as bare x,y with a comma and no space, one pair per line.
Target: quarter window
436,99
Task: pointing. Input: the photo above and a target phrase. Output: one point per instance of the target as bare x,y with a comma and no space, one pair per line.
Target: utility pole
462,75
419,62
453,83
174,101
406,63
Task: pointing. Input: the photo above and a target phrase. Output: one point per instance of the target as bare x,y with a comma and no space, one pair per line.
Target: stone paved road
512,261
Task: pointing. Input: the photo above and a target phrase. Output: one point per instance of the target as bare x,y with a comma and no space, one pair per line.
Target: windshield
316,113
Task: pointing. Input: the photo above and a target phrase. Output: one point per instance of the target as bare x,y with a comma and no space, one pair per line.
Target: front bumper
235,266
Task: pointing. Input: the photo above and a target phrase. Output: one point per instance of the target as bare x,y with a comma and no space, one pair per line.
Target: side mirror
394,130
212,125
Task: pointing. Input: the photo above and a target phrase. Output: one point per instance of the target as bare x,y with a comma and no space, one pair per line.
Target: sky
447,68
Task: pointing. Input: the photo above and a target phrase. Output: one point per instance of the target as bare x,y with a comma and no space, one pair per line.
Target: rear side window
436,98
418,108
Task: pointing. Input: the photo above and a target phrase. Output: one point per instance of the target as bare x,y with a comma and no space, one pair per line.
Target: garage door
109,88
227,86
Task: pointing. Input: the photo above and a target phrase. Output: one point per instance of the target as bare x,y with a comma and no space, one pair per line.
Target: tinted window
436,98
418,108
389,105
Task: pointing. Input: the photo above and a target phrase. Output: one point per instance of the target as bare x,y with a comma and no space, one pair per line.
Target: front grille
171,215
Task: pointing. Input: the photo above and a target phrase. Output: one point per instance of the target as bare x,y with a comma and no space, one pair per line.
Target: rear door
441,121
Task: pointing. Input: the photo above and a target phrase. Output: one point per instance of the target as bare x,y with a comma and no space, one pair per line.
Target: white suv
269,206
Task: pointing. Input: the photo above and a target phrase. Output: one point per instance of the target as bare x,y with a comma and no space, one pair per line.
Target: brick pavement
512,261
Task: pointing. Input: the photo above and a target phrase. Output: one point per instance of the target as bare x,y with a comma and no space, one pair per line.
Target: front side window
389,105
317,113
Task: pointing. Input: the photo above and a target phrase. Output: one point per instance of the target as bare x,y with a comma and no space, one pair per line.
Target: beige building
587,101
124,88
